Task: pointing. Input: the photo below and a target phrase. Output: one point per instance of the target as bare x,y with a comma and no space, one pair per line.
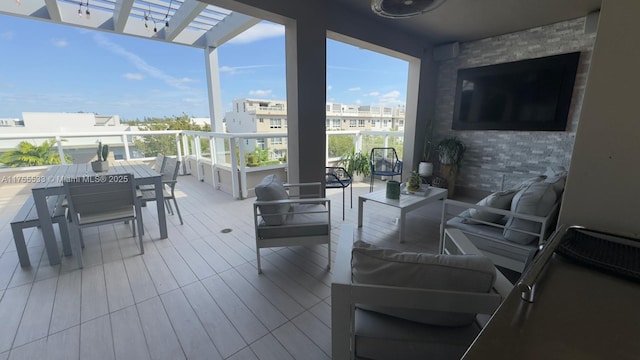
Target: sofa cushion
379,266
536,199
527,182
379,336
499,200
271,188
557,177
312,218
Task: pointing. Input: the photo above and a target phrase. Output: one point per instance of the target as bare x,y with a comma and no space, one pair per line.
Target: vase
100,166
425,169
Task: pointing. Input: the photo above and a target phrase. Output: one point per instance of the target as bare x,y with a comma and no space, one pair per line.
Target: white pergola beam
232,25
189,10
54,10
121,13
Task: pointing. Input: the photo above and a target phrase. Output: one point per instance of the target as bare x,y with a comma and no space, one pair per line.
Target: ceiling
199,24
191,22
465,20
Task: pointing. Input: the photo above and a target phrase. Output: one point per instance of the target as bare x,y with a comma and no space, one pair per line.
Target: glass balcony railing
231,162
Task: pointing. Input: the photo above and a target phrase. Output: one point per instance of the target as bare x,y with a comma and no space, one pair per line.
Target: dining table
51,183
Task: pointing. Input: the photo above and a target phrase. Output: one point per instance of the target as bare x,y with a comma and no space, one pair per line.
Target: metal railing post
235,188
60,150
125,142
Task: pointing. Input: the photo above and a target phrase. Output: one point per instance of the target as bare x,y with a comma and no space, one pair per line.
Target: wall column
306,93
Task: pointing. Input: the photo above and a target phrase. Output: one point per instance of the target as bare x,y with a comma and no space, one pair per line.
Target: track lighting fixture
148,17
86,10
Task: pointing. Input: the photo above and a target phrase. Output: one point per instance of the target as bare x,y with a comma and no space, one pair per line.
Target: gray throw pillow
499,200
379,266
271,188
537,199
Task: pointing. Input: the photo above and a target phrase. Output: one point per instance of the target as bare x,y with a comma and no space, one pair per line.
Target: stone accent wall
499,159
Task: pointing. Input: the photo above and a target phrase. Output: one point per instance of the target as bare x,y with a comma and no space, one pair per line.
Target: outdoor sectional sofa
508,226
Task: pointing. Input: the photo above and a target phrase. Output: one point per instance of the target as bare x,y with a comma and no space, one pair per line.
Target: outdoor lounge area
196,294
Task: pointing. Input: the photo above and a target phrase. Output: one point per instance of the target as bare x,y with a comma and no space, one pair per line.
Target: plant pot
357,177
100,166
425,169
449,172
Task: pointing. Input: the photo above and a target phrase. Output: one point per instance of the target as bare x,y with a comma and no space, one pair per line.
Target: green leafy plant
355,163
28,154
451,151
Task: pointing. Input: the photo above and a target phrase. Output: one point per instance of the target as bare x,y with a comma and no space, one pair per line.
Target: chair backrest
337,176
385,159
100,193
171,170
160,163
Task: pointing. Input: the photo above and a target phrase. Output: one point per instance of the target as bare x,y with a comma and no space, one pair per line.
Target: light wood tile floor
194,295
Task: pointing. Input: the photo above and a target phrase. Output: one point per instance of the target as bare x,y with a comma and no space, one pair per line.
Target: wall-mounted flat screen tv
528,95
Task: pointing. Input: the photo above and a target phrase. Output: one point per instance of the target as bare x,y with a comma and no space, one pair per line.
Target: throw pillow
525,183
557,177
537,199
379,266
499,200
271,188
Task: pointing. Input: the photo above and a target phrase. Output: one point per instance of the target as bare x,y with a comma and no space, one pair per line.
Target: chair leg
342,204
168,206
329,255
139,223
75,236
63,226
371,184
178,210
351,189
258,255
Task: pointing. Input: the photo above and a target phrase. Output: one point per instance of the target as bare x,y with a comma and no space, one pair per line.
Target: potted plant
425,168
413,182
101,164
450,153
357,164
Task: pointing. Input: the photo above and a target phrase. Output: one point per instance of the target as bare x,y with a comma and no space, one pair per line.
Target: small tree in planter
425,168
450,153
101,164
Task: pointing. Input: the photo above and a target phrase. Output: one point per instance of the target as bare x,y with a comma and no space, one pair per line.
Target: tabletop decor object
101,164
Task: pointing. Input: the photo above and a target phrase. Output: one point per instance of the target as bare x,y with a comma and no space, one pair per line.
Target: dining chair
384,161
100,200
337,177
169,181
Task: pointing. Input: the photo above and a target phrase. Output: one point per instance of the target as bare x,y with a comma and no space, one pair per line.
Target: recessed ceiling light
403,8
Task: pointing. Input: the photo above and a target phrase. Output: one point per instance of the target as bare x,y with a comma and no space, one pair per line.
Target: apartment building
270,116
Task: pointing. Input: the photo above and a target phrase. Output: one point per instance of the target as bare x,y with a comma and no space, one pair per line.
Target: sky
47,67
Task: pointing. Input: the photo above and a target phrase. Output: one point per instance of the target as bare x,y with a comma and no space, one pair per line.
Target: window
276,141
361,123
275,123
353,123
260,144
261,120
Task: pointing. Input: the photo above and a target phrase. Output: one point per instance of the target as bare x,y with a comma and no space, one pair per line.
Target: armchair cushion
313,219
536,199
378,266
271,188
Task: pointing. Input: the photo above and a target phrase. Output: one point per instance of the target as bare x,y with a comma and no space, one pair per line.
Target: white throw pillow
373,265
271,188
557,177
537,199
499,200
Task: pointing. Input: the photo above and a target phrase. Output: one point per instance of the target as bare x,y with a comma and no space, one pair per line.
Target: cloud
234,70
391,98
131,76
61,43
7,35
260,93
329,87
357,88
140,64
373,93
260,31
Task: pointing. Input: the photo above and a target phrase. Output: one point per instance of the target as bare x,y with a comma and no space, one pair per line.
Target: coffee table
406,203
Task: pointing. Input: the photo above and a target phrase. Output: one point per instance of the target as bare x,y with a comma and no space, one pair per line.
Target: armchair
287,215
382,321
384,162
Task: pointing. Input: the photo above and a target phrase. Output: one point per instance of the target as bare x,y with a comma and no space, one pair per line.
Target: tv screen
528,95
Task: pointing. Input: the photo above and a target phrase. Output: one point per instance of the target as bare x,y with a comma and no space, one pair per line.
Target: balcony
196,294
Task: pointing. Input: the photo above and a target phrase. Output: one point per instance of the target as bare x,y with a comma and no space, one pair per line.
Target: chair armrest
298,188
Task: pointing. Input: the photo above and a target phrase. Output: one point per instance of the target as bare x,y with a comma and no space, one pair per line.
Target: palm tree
28,154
